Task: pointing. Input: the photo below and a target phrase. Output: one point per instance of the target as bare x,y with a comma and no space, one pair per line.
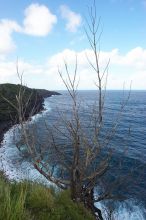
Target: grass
31,201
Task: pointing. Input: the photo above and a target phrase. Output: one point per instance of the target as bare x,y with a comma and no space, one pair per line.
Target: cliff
32,102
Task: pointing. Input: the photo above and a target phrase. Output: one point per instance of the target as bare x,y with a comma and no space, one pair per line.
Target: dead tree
89,158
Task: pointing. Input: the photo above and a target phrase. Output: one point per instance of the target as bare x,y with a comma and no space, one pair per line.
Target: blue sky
43,33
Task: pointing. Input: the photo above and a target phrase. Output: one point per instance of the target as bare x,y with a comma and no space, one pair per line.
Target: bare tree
89,156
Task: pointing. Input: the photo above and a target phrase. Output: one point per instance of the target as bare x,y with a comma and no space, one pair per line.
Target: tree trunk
88,200
80,194
76,187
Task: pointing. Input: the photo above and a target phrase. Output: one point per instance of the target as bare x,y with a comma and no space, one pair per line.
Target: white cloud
73,19
123,68
7,27
33,73
38,20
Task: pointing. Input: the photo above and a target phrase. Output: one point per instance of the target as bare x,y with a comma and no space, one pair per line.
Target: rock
45,93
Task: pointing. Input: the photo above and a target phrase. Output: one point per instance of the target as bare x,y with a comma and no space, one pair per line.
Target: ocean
127,116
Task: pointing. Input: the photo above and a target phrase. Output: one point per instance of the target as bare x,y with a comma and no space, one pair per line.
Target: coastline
4,127
12,163
14,166
8,124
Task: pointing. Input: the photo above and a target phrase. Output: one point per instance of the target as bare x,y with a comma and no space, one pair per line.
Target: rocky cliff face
32,102
45,93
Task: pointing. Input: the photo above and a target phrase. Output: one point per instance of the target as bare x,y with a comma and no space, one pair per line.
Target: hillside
32,100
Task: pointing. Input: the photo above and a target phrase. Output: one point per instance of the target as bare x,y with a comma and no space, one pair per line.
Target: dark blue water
125,114
128,140
126,117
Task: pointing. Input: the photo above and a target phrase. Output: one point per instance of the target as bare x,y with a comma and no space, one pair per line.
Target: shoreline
5,126
14,166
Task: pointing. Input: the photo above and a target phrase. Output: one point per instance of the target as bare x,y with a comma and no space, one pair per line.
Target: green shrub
66,209
29,201
12,205
39,197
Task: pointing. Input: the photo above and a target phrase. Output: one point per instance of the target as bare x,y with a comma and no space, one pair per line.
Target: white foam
126,211
12,163
42,113
134,213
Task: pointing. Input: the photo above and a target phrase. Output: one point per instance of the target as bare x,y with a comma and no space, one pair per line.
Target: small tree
89,156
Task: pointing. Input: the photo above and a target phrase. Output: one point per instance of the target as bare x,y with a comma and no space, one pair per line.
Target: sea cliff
32,102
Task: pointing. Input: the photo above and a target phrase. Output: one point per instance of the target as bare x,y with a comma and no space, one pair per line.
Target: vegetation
30,201
32,100
8,110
